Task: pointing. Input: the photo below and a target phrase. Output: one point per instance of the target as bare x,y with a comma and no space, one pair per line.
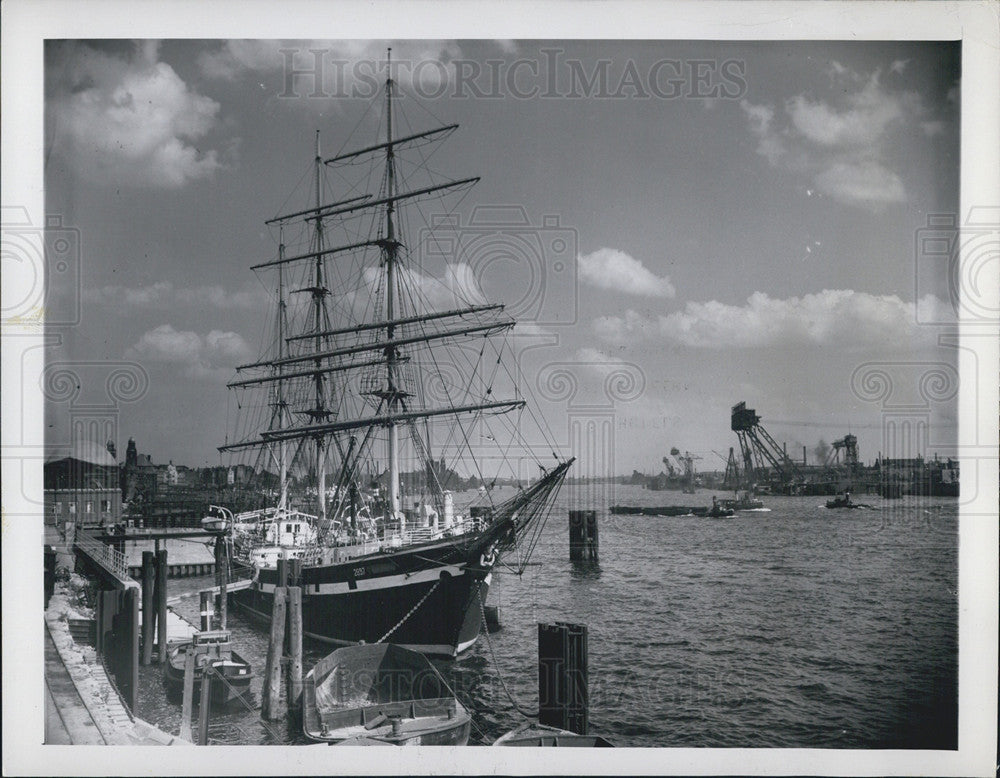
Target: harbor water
793,626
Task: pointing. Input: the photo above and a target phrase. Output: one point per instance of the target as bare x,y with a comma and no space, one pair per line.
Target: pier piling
206,611
221,577
295,639
562,676
271,694
161,602
188,698
205,703
148,608
583,537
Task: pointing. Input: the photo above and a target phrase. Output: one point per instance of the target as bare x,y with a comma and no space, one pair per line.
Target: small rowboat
384,693
532,734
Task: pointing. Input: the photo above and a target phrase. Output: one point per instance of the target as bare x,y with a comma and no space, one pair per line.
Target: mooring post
148,608
206,610
592,538
161,602
582,535
204,703
271,694
132,634
295,638
188,700
562,676
221,577
576,530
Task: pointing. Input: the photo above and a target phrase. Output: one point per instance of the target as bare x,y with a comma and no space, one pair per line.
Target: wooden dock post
295,639
562,676
221,577
131,669
271,694
161,603
188,699
583,540
206,611
148,608
205,703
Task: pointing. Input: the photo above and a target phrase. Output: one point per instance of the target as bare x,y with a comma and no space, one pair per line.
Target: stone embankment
82,705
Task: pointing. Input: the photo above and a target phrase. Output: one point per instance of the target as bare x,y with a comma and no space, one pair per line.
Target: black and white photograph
605,375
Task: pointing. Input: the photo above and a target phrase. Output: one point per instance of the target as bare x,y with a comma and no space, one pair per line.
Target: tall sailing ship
373,391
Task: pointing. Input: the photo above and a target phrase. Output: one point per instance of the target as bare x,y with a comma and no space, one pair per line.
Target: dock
82,706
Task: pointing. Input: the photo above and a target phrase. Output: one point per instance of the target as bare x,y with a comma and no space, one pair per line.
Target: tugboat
367,379
842,502
719,511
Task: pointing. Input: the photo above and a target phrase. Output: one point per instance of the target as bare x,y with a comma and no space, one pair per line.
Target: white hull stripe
372,584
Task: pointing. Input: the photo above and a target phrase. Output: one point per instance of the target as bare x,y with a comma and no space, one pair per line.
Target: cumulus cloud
457,287
615,270
199,356
328,68
126,118
838,317
843,143
164,295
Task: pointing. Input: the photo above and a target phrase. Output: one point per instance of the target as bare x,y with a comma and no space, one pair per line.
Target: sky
697,223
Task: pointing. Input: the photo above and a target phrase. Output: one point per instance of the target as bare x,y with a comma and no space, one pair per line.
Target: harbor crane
687,462
848,445
759,450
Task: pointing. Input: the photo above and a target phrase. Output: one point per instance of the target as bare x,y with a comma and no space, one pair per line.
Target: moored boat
374,694
365,402
236,672
539,735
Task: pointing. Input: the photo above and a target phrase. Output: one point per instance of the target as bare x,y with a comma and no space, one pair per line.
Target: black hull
429,598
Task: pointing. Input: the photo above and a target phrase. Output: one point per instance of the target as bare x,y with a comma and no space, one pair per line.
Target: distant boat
742,502
532,734
381,694
842,502
720,512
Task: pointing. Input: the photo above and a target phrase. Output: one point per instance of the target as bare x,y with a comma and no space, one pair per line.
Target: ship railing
427,534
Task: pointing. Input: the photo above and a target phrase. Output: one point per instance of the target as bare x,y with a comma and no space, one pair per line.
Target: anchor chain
411,611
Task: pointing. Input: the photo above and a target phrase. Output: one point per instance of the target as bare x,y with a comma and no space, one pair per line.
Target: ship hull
425,599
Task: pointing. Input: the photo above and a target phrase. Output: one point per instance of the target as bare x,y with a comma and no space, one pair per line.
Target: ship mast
319,412
392,394
280,388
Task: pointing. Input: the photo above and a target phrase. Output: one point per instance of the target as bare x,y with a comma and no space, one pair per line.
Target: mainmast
319,412
392,394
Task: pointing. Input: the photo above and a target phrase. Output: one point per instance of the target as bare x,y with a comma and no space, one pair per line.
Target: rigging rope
503,683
